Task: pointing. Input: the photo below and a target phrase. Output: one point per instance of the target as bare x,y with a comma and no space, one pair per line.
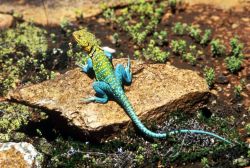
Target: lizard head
86,39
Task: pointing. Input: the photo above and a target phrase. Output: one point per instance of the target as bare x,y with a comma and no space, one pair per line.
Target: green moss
15,116
23,56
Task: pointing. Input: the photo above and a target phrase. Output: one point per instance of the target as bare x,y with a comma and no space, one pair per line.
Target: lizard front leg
88,67
124,75
102,89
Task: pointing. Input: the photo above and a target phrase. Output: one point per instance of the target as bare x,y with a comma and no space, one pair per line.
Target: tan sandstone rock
157,89
5,21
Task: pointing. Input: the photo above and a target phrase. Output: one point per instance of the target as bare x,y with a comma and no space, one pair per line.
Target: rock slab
157,89
15,155
5,21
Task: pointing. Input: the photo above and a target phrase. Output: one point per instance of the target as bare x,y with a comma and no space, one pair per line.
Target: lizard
110,81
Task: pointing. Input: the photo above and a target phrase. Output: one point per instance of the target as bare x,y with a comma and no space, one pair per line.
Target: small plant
160,37
241,162
154,53
137,54
172,4
115,39
139,157
65,25
236,47
178,46
53,38
209,75
204,162
206,37
233,63
78,14
189,57
195,33
247,128
217,48
237,90
179,28
109,14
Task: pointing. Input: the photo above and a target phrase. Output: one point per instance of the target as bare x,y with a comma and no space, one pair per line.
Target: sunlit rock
157,89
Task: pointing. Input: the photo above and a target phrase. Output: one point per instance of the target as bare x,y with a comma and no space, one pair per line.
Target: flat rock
53,12
15,155
157,89
5,21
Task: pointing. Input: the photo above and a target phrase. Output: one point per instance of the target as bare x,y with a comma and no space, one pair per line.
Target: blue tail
130,111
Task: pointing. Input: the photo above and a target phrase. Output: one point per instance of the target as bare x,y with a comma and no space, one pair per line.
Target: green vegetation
138,21
160,37
236,47
66,26
23,54
178,46
195,33
234,61
116,39
154,53
206,37
189,57
217,48
209,75
14,117
179,28
237,90
204,162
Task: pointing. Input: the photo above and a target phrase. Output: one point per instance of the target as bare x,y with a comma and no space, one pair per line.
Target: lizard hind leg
102,89
124,75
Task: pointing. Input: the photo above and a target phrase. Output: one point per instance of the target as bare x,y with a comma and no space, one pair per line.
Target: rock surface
53,12
157,89
5,21
18,155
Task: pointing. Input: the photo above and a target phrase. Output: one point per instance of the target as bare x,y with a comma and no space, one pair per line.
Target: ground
227,112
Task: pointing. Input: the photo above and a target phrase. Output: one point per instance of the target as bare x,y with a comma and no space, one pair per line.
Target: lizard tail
130,111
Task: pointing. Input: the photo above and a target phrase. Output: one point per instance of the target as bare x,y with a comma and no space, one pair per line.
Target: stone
53,12
245,19
157,90
215,18
221,79
240,4
248,87
235,25
166,17
5,21
23,155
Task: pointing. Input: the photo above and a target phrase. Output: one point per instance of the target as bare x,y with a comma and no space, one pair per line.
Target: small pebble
222,79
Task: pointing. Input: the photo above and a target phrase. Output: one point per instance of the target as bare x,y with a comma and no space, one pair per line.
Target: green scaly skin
105,74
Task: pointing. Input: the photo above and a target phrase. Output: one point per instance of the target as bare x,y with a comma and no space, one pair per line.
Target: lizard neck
94,51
